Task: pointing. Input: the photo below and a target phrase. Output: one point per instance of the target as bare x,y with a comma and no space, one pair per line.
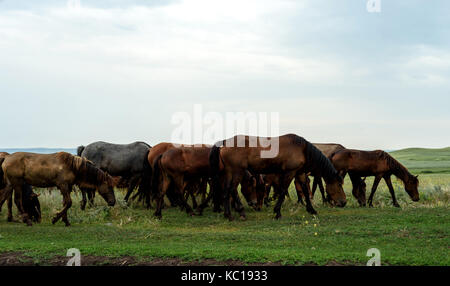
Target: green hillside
421,160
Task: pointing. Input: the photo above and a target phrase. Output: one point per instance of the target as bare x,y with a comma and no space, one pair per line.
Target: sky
75,72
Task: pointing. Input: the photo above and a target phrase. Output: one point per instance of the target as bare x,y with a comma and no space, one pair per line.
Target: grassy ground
425,161
416,234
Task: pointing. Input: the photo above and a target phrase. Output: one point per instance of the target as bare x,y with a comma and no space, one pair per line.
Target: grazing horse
153,154
327,149
129,161
295,156
30,199
179,167
61,170
379,164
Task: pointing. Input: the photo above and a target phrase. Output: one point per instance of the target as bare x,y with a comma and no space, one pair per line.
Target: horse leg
374,188
356,189
7,196
83,199
281,192
67,203
91,197
322,191
309,208
387,179
18,201
10,215
181,186
165,184
298,189
238,206
130,189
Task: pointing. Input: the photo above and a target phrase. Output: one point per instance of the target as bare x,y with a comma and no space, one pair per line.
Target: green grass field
416,234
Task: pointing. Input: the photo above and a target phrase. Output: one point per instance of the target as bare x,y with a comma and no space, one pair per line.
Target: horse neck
398,170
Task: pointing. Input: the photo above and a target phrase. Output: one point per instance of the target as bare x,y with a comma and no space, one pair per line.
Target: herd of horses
183,172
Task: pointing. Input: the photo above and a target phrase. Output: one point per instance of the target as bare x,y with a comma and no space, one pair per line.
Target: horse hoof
230,218
277,217
396,205
67,224
243,218
54,220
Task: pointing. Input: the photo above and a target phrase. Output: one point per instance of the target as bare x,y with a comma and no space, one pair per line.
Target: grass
416,234
424,161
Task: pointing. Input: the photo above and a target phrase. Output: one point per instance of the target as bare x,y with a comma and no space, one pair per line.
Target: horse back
362,162
41,170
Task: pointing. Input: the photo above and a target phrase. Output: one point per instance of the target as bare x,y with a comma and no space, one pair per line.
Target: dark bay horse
61,170
379,164
177,168
30,199
129,161
295,156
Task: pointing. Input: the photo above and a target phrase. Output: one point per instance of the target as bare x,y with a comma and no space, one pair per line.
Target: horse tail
214,158
146,180
2,180
80,150
155,176
214,164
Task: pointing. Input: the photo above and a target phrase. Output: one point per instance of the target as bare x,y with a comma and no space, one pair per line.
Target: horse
327,149
177,168
30,199
379,164
295,156
62,170
171,194
129,161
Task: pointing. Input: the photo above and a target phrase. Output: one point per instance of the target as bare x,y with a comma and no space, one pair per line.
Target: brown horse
62,170
194,187
179,167
295,156
379,164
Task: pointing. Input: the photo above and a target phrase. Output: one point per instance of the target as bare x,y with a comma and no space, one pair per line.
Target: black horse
128,161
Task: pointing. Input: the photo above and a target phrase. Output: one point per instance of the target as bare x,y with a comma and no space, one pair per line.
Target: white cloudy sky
73,72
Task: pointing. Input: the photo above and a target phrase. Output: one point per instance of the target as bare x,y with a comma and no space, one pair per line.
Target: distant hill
422,160
39,150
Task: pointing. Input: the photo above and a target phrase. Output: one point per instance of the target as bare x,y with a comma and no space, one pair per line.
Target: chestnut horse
61,170
379,164
178,168
158,150
295,156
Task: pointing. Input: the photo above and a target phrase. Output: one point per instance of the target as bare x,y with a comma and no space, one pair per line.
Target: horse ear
417,176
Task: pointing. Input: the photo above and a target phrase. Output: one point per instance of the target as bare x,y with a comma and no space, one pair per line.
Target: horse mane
84,169
316,161
395,166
